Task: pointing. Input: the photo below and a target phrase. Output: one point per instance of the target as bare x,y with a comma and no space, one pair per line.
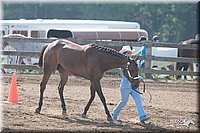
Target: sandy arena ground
174,106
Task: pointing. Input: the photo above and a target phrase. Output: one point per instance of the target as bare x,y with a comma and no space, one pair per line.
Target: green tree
172,22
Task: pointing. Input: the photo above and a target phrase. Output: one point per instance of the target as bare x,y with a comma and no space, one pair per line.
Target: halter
135,78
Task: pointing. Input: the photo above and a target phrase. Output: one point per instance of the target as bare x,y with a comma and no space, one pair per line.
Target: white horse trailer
80,29
38,28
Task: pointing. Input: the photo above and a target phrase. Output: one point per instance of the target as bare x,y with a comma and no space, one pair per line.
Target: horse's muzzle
136,81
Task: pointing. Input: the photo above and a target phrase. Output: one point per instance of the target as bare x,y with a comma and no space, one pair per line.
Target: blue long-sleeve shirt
142,53
125,83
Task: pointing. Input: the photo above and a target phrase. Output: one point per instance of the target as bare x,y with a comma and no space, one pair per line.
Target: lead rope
138,78
144,91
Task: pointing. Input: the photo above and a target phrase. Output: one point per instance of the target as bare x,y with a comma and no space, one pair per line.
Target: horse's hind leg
92,95
48,69
64,78
45,79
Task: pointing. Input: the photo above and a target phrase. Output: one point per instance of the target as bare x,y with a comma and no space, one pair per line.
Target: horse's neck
114,62
108,58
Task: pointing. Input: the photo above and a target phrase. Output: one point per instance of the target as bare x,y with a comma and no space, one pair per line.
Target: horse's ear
136,58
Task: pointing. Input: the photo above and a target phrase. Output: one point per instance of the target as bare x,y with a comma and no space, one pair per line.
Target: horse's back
71,56
193,53
65,44
61,50
191,41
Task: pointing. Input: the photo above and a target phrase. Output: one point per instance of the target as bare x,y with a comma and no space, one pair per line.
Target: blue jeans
125,92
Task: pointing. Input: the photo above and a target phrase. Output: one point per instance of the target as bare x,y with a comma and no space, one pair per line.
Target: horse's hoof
64,114
109,119
84,115
37,110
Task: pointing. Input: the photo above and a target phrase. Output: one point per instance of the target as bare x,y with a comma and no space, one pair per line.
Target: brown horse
187,53
88,61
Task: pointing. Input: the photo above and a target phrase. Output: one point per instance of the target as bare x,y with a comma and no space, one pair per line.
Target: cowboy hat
125,49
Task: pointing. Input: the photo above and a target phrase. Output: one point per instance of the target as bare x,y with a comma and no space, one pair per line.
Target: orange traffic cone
13,97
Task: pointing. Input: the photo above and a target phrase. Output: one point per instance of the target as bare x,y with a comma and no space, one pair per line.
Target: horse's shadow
120,125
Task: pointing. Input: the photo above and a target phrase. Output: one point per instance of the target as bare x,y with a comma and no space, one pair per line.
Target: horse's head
131,73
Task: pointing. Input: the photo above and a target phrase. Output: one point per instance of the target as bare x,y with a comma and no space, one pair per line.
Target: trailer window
22,32
38,34
59,33
34,34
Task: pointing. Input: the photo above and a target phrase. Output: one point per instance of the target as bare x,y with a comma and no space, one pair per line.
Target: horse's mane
108,50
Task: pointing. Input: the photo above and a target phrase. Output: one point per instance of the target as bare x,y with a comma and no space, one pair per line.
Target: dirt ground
173,107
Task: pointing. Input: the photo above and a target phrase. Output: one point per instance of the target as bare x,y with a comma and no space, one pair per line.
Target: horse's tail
40,62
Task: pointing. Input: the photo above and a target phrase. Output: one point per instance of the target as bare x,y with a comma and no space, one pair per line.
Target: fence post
148,46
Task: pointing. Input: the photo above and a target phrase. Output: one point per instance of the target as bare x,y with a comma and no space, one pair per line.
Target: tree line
171,22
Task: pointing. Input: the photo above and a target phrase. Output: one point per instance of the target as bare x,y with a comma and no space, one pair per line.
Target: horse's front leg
103,100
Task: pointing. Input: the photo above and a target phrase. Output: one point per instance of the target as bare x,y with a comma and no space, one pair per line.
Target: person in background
155,38
141,52
127,90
